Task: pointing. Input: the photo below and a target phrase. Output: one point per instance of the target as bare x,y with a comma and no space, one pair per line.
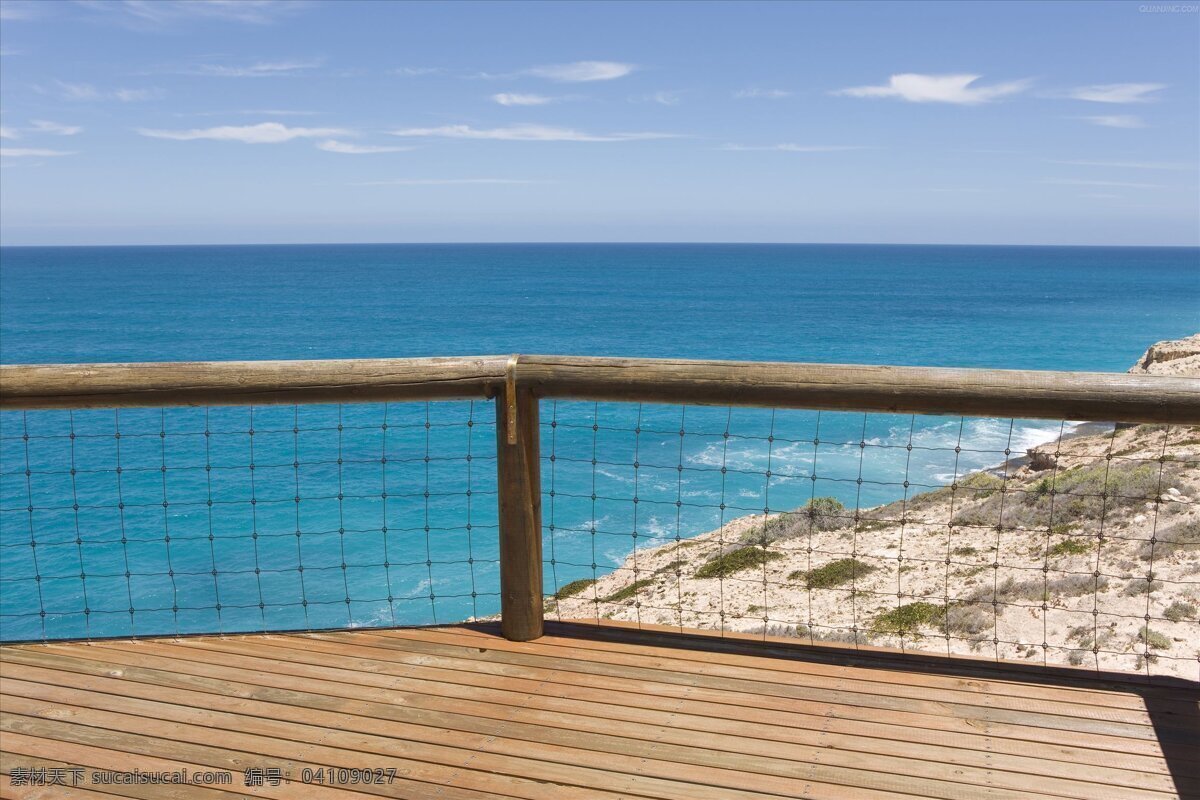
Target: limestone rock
1180,357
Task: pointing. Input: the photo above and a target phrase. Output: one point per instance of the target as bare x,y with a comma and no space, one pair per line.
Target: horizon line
603,243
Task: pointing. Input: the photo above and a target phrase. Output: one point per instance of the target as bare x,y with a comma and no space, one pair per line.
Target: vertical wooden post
520,493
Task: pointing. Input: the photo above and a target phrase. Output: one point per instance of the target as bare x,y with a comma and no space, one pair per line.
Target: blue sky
234,122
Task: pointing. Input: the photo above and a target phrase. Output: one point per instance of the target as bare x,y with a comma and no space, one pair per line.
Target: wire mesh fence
1056,542
1060,543
201,520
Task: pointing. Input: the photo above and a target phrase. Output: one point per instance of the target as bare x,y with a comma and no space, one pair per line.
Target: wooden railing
519,382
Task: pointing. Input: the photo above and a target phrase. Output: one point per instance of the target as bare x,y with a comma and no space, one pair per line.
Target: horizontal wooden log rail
1099,396
224,383
519,381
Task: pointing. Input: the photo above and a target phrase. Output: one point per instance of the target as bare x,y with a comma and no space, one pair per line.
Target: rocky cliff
1179,357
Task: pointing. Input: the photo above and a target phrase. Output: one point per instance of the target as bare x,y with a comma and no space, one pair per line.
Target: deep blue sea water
393,522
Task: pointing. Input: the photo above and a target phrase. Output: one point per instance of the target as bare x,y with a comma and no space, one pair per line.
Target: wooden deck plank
679,721
766,672
467,715
298,659
900,757
645,774
771,758
104,758
233,750
24,751
401,653
928,664
757,654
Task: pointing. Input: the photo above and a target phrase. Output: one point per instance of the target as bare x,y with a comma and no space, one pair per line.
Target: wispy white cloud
1116,121
253,112
87,92
416,72
32,152
581,71
78,91
262,133
957,89
160,14
17,10
761,94
1120,184
56,128
529,133
788,147
348,148
9,133
662,98
514,99
448,182
136,95
1118,92
261,69
1129,164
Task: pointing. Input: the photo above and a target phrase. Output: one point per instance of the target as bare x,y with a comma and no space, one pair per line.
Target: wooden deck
585,712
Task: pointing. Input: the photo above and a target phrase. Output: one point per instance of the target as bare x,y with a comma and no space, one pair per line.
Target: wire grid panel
202,520
1055,542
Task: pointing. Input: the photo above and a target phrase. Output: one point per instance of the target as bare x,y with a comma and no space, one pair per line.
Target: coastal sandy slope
1067,556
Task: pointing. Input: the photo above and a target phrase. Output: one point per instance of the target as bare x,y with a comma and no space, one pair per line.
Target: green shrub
1040,591
1141,586
1072,496
1154,639
907,618
628,591
573,588
835,573
1180,610
968,618
818,514
1069,547
735,561
1181,537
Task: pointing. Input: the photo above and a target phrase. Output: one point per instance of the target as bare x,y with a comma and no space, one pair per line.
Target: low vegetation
818,514
673,567
573,588
1072,496
1038,591
1180,610
969,618
976,486
1183,537
733,561
835,573
1154,639
627,592
907,619
1141,586
1069,547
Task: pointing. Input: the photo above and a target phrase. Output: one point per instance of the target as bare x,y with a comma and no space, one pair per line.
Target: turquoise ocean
280,517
